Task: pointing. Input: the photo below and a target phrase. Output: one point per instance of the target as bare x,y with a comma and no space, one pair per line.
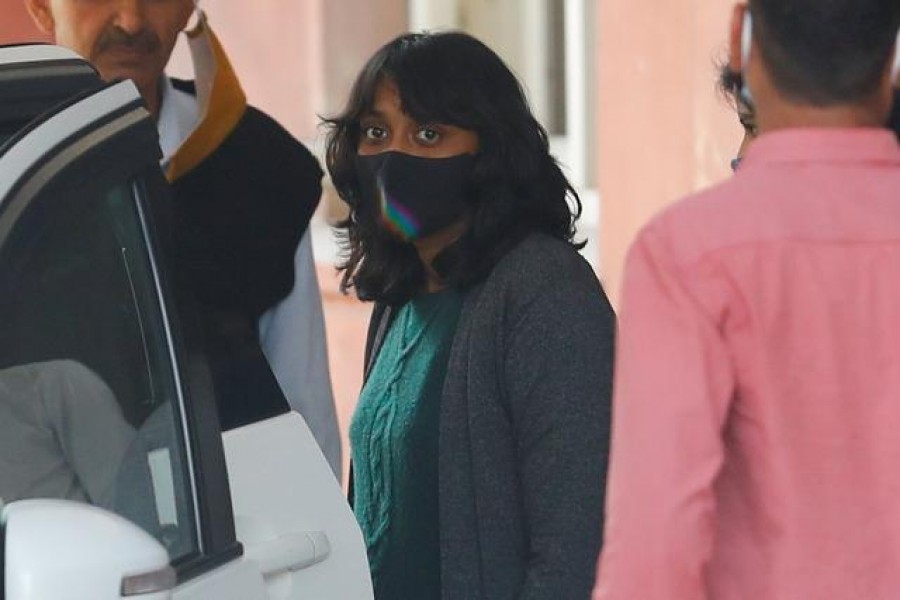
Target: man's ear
735,61
41,15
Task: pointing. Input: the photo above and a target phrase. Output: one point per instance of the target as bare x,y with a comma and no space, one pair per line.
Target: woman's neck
430,246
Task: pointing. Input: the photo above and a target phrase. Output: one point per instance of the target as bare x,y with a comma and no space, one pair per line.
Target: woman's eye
373,132
428,136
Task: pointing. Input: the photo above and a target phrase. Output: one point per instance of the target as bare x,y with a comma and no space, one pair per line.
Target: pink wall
353,31
663,131
16,25
276,53
297,60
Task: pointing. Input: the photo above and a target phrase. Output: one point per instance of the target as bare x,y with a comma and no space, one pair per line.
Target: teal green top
394,445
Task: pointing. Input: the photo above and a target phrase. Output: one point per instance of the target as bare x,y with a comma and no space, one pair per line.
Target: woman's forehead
386,98
418,104
387,101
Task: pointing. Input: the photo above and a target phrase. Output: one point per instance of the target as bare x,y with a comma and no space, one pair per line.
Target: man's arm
292,336
673,387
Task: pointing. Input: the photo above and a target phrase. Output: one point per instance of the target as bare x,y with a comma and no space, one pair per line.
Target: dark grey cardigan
524,428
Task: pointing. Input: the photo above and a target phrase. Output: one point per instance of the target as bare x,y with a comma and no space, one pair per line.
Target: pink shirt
756,429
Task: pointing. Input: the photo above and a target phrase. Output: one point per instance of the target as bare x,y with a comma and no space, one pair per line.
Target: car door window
106,385
89,393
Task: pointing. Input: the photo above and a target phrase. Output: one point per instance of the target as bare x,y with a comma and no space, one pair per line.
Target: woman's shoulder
540,276
539,260
540,272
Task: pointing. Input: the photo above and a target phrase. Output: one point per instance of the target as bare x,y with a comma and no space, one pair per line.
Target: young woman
480,440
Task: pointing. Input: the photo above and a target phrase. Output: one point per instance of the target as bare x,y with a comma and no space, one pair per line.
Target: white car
115,478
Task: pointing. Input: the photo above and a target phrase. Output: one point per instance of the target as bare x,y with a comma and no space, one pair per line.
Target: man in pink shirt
756,430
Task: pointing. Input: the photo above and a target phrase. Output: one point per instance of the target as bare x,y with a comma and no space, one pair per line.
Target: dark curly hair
518,188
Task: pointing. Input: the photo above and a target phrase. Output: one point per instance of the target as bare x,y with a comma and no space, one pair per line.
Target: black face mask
415,196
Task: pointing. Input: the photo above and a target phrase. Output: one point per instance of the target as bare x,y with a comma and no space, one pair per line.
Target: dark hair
826,52
518,187
728,83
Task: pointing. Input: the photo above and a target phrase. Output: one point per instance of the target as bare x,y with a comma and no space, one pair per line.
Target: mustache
144,41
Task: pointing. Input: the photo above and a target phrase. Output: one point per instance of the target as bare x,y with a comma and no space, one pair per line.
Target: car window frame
2,558
118,143
36,77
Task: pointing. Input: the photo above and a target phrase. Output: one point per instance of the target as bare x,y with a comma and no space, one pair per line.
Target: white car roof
27,53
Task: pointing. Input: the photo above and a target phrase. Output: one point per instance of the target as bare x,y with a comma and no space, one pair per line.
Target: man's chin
125,68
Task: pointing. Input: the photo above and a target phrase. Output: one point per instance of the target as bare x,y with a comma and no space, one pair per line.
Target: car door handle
290,552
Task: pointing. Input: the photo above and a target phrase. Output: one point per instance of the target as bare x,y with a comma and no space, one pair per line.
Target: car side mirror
57,549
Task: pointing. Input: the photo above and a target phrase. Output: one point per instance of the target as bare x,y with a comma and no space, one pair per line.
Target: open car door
100,357
36,77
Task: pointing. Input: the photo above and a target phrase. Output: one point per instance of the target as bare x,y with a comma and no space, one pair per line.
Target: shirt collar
218,106
850,145
178,117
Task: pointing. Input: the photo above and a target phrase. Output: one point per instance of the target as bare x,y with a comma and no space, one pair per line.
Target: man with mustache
130,39
244,192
